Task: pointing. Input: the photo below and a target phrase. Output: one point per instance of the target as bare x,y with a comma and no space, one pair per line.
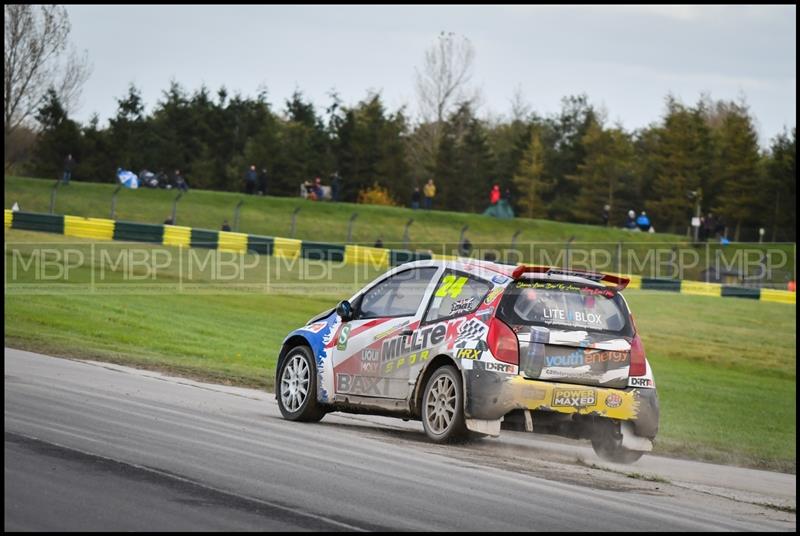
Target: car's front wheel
443,406
607,444
297,387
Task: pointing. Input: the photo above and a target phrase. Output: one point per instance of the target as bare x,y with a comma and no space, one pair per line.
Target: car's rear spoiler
619,282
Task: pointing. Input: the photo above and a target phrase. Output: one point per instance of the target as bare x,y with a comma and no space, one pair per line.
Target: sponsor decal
592,291
604,356
583,317
409,361
492,295
501,367
468,353
341,344
451,286
499,279
470,330
315,327
640,382
574,398
613,400
390,330
569,360
463,305
361,385
370,360
422,338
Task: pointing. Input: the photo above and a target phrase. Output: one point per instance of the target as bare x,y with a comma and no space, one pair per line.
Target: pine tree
530,180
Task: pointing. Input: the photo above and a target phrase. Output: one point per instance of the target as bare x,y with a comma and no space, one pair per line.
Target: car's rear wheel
443,406
607,443
297,387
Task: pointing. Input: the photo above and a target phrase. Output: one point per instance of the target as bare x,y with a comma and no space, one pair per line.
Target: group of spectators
634,223
426,196
255,182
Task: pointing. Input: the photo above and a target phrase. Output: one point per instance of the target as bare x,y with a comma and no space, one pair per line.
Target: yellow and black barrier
290,248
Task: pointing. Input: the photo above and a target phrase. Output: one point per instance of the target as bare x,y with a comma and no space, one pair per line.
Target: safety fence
173,235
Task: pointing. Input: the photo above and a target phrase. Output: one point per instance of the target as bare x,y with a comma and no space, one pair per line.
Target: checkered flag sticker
469,331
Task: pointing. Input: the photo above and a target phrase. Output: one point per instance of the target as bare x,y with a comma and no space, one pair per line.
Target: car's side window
457,294
398,295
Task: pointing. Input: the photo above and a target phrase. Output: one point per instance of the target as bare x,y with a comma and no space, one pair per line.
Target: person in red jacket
494,196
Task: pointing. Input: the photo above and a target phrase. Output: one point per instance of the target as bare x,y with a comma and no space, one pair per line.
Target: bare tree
37,59
444,76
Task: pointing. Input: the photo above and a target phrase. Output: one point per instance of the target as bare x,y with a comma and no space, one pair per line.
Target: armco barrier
172,235
32,221
177,236
700,288
375,257
402,256
322,252
261,245
741,292
229,241
96,228
139,232
654,283
779,296
201,238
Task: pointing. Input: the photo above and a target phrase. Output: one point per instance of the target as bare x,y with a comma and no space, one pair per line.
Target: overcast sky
625,58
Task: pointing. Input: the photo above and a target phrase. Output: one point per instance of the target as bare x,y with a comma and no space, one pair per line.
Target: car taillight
503,342
638,363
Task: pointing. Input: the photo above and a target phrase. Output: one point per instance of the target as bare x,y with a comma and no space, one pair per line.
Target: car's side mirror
345,310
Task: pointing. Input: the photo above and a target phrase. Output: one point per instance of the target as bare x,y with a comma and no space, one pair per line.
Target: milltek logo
574,398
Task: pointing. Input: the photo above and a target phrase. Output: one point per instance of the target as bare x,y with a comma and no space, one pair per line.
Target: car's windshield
567,305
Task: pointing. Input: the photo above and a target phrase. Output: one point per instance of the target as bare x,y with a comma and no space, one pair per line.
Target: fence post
619,257
53,196
236,215
567,259
294,221
175,208
353,217
406,239
114,202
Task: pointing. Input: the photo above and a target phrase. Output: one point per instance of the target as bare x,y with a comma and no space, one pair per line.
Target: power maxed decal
574,398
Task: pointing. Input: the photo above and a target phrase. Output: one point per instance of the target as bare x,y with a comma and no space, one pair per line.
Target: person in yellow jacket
430,192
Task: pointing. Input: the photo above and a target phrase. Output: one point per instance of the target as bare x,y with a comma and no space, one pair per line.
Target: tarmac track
93,446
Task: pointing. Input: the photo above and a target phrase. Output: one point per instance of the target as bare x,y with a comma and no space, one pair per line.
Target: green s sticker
342,342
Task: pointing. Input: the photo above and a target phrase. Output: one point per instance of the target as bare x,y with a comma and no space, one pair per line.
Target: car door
385,318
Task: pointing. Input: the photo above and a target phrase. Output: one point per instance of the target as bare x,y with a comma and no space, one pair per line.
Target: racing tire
607,444
443,407
296,390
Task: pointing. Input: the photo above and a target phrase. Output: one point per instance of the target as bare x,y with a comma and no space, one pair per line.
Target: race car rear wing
619,282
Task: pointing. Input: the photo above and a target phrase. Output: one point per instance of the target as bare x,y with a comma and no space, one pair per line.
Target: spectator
311,194
709,227
318,189
69,165
262,182
430,192
415,198
606,212
630,223
507,195
643,222
336,186
225,226
250,179
180,182
465,247
494,195
379,242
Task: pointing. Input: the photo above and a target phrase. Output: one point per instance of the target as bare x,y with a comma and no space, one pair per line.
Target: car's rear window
564,305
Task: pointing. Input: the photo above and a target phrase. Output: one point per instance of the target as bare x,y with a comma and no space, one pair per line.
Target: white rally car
469,347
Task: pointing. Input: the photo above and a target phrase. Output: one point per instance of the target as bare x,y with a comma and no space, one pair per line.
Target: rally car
469,347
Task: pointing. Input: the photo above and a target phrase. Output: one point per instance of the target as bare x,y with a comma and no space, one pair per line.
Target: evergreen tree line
563,167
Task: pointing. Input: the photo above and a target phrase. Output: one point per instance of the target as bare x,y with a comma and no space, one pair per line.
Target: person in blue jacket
643,222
